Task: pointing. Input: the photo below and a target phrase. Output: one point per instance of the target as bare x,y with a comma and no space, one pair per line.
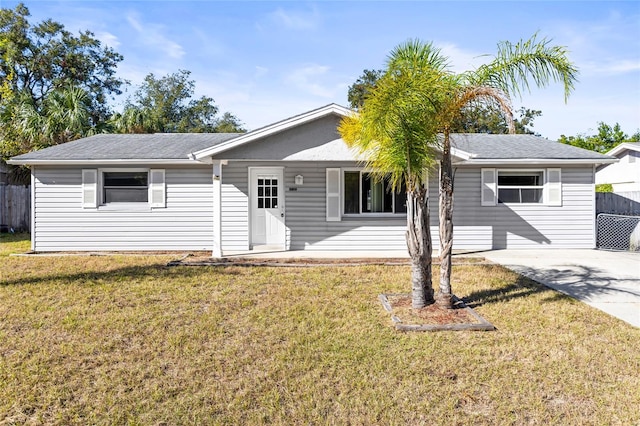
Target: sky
265,61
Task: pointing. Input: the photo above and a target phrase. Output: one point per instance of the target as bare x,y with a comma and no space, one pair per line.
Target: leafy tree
166,105
53,85
607,138
473,119
359,90
488,119
229,123
431,100
40,58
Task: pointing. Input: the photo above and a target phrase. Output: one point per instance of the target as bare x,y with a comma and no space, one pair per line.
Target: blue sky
265,61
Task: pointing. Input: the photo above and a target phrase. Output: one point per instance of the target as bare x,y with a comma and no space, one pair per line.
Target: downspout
594,228
33,208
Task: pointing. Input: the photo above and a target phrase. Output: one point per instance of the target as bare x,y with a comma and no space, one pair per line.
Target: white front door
267,207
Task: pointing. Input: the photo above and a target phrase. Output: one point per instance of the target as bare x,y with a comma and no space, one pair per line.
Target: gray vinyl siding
61,224
309,229
235,207
305,214
516,226
475,227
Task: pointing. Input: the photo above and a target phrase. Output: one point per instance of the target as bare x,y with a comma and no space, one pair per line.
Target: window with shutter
89,188
489,187
333,195
157,197
554,187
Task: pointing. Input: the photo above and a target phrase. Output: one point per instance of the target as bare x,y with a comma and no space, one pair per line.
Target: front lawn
127,340
14,243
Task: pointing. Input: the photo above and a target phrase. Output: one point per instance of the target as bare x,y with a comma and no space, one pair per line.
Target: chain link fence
617,232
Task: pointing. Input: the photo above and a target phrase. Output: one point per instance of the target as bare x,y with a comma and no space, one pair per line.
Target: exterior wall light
299,180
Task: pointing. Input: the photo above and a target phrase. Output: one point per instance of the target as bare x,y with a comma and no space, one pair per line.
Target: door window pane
267,194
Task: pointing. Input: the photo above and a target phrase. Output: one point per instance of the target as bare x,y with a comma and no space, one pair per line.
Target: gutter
120,162
530,161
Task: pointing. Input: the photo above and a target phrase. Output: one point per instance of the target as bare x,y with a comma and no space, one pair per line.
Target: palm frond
532,60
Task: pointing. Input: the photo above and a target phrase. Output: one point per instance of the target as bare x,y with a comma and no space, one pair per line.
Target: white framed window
521,186
354,192
123,187
362,194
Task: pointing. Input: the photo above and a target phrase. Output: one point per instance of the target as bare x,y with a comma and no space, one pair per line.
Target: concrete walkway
609,281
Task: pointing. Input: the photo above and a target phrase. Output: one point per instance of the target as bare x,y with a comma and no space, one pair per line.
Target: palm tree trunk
420,248
444,296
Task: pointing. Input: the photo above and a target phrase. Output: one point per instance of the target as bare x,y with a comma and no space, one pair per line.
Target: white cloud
295,20
152,36
108,39
462,60
308,79
612,67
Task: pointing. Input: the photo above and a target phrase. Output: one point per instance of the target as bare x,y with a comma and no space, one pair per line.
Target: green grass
126,340
14,243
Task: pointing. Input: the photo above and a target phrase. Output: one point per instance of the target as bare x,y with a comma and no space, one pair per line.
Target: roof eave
622,147
534,161
272,129
119,162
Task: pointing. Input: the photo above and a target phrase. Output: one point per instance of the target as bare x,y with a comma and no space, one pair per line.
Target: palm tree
419,100
63,116
136,119
394,132
509,73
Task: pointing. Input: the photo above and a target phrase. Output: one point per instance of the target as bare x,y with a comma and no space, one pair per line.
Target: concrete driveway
609,281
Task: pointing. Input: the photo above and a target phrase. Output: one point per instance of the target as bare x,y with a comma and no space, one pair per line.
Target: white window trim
128,206
541,187
546,201
361,214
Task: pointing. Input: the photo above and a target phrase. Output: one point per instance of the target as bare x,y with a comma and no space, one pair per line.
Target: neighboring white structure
623,175
294,185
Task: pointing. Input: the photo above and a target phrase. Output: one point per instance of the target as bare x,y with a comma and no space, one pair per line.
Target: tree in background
53,85
606,139
38,59
166,105
488,119
359,90
473,118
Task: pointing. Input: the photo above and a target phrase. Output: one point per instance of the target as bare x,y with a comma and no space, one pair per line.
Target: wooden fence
624,203
15,208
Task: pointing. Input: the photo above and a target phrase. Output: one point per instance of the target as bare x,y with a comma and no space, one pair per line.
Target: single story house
624,176
294,185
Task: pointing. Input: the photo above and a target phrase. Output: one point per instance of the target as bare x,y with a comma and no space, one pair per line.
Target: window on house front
125,187
520,186
363,194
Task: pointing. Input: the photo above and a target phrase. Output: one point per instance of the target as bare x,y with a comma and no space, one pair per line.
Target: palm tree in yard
395,133
437,98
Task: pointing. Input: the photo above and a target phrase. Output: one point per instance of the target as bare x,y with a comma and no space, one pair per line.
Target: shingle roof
490,146
180,146
158,146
